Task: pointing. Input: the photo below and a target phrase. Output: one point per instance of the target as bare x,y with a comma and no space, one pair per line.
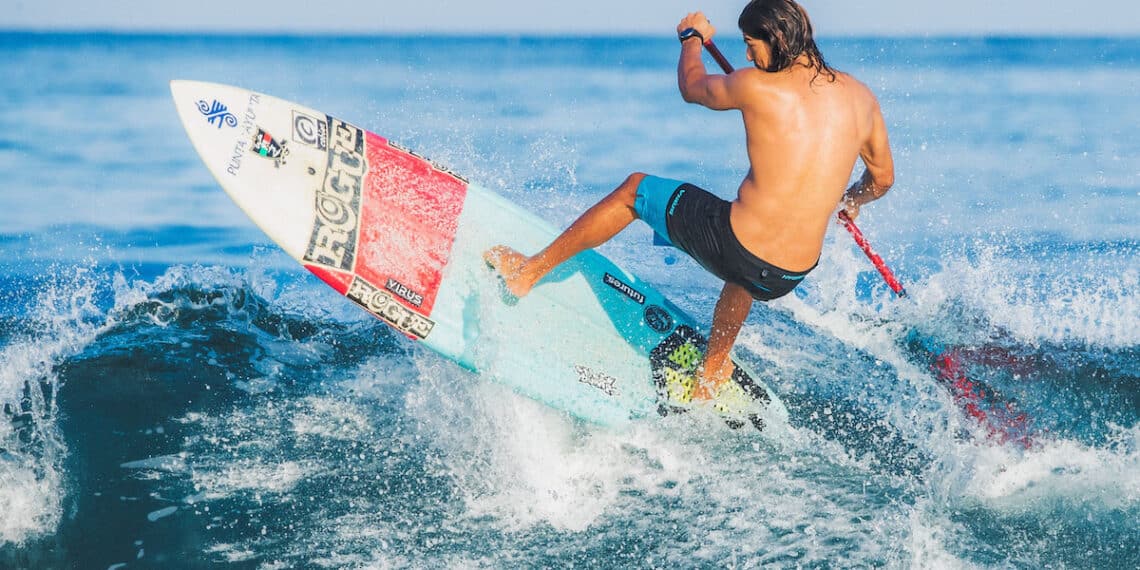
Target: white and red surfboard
403,237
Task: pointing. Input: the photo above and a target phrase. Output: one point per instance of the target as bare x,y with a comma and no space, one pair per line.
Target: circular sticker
310,131
658,319
305,128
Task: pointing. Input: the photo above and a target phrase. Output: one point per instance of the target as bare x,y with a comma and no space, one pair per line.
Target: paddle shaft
876,260
848,223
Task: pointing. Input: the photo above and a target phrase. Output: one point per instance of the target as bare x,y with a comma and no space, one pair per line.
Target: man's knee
628,188
634,180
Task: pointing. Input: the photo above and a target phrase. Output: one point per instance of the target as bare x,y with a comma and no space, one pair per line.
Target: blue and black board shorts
697,222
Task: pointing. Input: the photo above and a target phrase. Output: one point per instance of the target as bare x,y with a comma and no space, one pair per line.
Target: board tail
675,363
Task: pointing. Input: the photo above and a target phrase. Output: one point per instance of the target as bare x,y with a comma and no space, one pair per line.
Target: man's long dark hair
785,27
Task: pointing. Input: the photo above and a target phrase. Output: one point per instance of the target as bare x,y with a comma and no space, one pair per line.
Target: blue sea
176,392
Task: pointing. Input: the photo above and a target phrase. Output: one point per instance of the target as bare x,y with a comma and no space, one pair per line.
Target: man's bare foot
705,391
709,383
510,266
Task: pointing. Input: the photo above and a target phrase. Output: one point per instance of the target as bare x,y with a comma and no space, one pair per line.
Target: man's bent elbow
883,182
693,92
879,180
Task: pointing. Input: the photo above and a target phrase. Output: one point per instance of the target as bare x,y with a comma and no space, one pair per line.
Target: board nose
182,89
179,87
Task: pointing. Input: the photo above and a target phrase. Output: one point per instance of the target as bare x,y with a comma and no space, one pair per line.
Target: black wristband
689,33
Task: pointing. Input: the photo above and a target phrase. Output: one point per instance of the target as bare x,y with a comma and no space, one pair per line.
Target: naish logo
217,114
333,243
624,288
265,146
380,303
599,380
404,292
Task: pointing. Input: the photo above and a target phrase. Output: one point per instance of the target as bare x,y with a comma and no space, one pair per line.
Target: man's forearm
690,69
864,190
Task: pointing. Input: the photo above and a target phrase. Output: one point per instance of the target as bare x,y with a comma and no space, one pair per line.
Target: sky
570,17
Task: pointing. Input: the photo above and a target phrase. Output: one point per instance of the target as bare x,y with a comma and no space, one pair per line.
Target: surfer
806,124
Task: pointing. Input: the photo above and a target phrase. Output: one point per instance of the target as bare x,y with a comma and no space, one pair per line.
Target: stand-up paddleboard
403,237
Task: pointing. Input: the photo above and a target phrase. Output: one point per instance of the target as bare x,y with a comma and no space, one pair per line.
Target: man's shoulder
852,88
804,77
766,90
845,80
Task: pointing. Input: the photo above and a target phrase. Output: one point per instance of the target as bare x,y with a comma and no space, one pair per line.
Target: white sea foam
525,463
30,498
334,419
929,536
174,463
250,475
1059,473
1090,301
161,513
63,321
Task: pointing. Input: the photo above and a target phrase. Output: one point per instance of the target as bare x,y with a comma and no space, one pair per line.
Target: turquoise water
177,392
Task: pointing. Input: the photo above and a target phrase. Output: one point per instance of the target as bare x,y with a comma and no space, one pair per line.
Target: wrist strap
690,33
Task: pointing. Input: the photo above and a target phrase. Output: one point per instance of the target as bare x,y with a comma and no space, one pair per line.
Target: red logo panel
410,211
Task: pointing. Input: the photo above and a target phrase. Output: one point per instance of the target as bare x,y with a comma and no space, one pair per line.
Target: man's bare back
804,131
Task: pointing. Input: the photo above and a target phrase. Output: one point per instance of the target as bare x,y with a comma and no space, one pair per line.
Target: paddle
846,220
1004,422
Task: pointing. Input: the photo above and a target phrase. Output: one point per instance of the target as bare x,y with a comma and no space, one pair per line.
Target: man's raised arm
696,85
879,175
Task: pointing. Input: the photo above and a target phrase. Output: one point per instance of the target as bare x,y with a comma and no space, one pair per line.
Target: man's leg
731,309
593,228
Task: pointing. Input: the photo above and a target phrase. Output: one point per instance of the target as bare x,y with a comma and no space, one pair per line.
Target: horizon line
530,34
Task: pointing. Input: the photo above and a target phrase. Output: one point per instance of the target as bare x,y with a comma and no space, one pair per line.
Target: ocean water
176,392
